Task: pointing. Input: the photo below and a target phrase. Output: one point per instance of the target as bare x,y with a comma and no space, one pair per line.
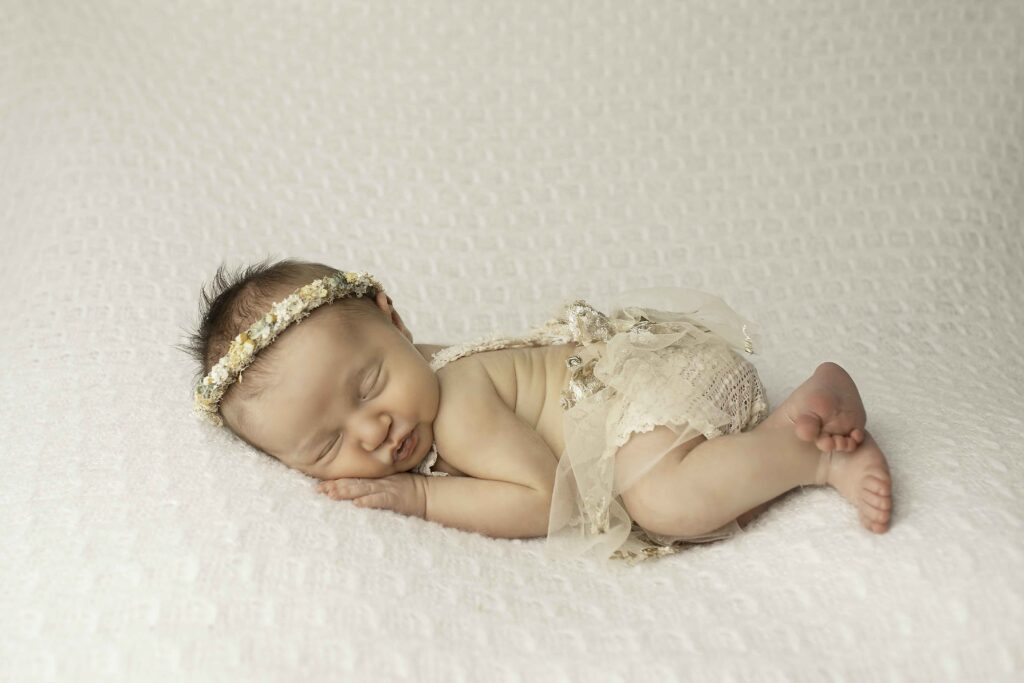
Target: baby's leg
720,479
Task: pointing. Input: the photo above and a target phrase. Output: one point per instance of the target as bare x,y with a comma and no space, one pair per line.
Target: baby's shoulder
469,376
465,386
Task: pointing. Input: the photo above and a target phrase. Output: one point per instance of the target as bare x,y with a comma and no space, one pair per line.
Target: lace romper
668,362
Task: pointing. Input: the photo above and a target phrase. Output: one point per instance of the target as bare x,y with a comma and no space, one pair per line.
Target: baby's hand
404,493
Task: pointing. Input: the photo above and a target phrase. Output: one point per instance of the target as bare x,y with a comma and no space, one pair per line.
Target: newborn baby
344,395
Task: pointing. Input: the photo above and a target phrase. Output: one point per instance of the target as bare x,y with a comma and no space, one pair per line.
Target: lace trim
428,462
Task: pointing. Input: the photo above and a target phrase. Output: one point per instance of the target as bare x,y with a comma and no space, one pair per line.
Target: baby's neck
428,350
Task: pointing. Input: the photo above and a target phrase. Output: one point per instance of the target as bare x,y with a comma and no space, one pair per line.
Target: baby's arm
499,509
510,468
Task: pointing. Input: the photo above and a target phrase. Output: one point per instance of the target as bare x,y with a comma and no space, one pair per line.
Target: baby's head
336,392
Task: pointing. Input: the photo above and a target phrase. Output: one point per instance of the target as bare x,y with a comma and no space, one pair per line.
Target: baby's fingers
340,489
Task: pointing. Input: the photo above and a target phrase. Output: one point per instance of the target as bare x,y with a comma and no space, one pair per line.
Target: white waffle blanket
850,175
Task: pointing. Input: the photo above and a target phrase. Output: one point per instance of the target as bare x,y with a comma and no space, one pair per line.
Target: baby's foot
825,409
862,477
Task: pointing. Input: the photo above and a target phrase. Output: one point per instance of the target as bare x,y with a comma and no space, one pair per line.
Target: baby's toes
876,501
850,443
876,509
835,442
873,519
865,519
877,484
880,521
826,442
877,515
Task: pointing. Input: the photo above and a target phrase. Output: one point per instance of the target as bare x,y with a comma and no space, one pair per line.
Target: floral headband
243,349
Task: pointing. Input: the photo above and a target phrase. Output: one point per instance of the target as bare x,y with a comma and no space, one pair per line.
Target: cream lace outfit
670,358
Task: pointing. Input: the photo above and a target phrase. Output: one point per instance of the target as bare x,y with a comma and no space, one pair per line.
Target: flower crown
243,349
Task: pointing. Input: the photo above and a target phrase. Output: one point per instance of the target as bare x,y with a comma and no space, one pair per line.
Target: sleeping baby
622,436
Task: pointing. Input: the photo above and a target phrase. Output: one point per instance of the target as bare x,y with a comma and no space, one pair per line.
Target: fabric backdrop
848,174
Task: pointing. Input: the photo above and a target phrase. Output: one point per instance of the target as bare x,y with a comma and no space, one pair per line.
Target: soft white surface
848,174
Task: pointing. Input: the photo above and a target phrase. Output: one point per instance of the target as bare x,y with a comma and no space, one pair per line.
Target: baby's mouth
405,447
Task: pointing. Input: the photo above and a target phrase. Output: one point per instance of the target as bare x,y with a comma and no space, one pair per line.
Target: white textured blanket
850,175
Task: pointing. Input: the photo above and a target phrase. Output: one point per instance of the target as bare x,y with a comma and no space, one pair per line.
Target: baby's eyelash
372,386
330,448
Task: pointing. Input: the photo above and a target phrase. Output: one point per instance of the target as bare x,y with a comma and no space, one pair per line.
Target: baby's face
345,396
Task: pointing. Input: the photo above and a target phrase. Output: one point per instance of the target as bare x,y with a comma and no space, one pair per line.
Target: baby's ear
396,317
401,325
